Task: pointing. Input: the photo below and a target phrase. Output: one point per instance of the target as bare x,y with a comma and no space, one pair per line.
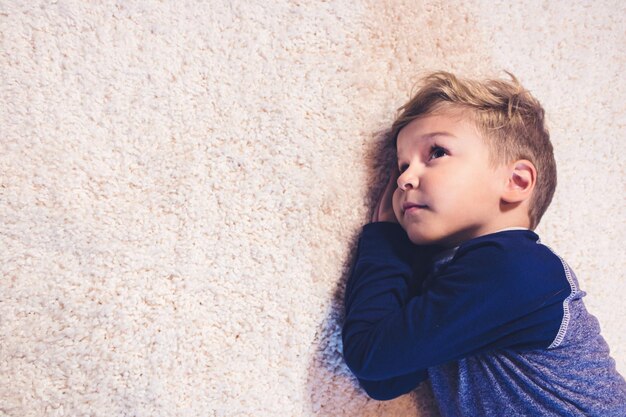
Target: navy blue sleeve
391,388
492,295
394,245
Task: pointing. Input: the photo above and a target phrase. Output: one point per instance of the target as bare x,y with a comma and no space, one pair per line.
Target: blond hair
509,117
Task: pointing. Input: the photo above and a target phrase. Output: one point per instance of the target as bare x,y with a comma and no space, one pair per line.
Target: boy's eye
437,152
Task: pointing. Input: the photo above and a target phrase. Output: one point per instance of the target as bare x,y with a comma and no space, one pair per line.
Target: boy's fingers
384,201
393,179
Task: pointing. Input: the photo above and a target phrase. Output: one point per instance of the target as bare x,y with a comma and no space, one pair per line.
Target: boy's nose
407,180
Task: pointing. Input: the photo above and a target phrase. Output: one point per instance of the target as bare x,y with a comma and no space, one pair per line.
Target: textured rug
182,185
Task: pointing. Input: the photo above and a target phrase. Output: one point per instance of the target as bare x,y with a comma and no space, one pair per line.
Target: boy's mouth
409,207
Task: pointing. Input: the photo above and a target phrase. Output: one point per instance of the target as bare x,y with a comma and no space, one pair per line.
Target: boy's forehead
441,126
458,133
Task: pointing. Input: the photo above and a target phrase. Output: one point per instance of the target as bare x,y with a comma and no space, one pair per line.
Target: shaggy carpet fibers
182,184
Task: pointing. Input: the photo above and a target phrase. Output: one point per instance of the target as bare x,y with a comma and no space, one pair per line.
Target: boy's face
445,170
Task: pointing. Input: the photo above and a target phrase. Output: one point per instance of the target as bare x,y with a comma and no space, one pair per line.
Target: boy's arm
392,258
394,387
477,303
391,388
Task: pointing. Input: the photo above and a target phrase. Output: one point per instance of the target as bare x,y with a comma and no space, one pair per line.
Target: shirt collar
446,255
511,228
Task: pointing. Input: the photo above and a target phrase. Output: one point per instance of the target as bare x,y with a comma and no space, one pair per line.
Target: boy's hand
384,208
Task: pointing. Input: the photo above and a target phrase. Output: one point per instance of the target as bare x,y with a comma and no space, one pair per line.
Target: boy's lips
409,207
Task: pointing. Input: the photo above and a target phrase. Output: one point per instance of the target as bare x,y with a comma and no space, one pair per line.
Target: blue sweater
496,325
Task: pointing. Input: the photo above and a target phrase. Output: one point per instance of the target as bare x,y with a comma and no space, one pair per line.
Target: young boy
452,285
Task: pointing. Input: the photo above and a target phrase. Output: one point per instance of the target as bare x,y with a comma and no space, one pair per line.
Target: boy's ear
520,181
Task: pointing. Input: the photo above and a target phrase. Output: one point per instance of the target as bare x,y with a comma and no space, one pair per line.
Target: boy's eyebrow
435,134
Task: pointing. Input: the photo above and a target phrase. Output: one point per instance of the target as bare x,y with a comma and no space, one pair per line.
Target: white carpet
182,185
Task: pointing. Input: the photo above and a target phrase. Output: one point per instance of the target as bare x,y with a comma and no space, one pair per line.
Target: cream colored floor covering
182,185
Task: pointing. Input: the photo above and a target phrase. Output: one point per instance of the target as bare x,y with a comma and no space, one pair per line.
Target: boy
450,282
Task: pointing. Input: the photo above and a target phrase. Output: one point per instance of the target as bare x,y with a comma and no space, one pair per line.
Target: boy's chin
420,238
